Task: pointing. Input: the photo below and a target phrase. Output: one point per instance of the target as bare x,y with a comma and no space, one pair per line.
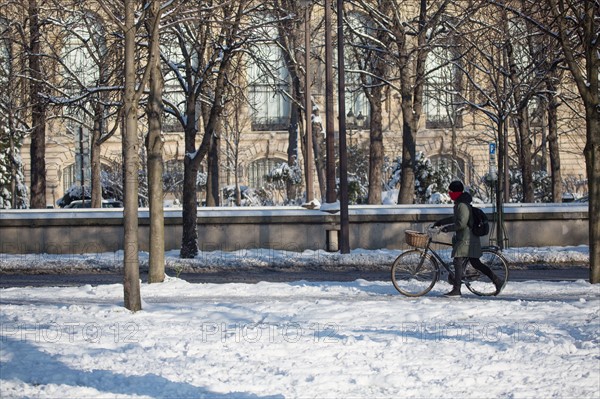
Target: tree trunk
376,152
236,162
189,238
292,151
525,157
501,196
553,147
14,171
406,195
131,281
592,157
38,113
412,76
189,241
95,157
212,182
582,48
319,155
154,147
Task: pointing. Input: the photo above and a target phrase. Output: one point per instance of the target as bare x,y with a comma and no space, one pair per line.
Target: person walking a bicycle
465,244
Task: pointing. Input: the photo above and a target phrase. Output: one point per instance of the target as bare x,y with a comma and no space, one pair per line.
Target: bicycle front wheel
414,273
481,283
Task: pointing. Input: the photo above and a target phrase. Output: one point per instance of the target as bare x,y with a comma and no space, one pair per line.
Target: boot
498,282
451,278
458,274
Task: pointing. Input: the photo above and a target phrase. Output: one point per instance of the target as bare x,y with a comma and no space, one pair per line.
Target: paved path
254,276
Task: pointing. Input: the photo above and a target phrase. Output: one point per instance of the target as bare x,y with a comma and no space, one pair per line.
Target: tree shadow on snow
25,362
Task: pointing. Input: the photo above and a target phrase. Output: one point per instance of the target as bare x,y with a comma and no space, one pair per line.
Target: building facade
459,140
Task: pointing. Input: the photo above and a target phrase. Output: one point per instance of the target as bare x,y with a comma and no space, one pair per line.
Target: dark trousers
459,262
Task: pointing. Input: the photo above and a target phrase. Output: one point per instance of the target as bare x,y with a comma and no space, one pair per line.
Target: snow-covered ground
300,339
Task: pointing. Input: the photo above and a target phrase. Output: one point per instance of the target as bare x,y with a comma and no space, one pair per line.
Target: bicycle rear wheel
480,284
414,273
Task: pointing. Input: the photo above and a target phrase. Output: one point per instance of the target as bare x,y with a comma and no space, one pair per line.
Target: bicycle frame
433,252
439,259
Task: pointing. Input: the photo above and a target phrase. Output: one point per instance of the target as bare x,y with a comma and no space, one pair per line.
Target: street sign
493,169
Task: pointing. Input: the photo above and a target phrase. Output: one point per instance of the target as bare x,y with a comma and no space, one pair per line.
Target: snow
299,339
358,259
331,207
191,155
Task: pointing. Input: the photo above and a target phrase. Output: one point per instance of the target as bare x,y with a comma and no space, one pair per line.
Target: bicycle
415,272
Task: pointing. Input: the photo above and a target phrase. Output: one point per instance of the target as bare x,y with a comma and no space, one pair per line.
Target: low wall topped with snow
64,231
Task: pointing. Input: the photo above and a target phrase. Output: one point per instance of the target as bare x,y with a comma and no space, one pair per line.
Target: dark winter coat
465,244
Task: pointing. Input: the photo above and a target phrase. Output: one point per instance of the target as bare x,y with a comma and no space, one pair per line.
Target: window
173,94
173,177
268,85
440,98
536,112
259,169
70,176
82,52
79,67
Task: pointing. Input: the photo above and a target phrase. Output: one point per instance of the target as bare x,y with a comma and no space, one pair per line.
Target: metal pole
330,196
310,163
344,217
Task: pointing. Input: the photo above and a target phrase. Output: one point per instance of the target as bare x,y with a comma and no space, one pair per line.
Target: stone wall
295,229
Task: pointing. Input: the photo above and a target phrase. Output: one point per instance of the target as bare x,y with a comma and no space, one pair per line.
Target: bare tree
577,28
38,108
134,88
370,62
234,122
154,146
407,31
410,38
525,78
486,67
552,101
411,28
290,40
548,56
13,107
204,40
90,83
131,283
575,24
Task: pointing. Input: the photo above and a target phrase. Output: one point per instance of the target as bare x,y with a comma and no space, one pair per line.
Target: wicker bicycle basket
415,239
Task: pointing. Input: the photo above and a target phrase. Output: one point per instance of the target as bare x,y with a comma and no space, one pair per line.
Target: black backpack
481,224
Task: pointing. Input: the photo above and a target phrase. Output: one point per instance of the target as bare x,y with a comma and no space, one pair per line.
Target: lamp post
350,124
360,120
330,192
354,122
344,216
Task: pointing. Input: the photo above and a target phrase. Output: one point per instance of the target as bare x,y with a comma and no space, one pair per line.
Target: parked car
88,204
